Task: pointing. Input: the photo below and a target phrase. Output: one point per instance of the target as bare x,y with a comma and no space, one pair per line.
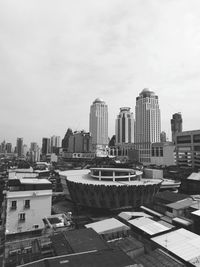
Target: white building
124,127
99,123
28,202
147,124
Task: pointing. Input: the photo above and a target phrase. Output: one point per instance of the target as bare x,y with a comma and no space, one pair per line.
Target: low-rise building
162,154
28,202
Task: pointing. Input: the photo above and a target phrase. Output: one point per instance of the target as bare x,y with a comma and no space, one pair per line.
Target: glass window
14,205
27,204
22,217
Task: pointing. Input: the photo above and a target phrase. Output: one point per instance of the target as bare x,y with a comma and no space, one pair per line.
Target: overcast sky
56,57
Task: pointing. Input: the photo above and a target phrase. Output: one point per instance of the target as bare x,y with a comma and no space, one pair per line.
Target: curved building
109,188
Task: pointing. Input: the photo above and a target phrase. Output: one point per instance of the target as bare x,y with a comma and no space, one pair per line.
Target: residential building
187,149
162,153
99,125
28,202
19,147
147,124
176,125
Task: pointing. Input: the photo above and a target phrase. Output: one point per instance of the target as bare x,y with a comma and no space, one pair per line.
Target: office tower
3,147
99,123
19,147
163,137
25,150
124,127
45,146
147,123
34,152
176,125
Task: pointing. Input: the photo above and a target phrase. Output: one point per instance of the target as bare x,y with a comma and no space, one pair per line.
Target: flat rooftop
108,225
149,226
182,243
83,176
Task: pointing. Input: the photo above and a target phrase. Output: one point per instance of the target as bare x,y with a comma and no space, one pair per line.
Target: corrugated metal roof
181,204
107,225
149,226
181,243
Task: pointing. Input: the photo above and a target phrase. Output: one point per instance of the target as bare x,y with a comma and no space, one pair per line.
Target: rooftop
181,204
149,226
181,243
170,196
194,176
107,225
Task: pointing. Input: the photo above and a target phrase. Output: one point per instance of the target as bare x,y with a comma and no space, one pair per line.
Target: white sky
56,57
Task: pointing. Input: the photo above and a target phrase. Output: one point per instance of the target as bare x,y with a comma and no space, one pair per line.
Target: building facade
147,124
80,142
55,143
163,154
176,125
187,148
28,202
46,147
124,127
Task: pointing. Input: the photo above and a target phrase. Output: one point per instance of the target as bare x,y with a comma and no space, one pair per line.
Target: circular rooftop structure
109,188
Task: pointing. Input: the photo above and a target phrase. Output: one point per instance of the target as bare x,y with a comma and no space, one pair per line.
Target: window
27,204
36,226
22,217
14,205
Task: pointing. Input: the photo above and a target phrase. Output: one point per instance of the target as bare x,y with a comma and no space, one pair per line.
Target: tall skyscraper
124,127
99,122
176,125
55,143
147,123
19,147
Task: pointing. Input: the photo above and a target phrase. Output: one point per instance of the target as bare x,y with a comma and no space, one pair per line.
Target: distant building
46,149
176,125
34,152
147,124
8,148
124,127
19,147
80,142
163,137
162,153
99,125
55,144
28,202
187,148
65,140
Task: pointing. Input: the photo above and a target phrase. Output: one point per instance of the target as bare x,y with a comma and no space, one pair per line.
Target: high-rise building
99,123
80,142
176,125
65,140
19,147
124,127
147,124
45,146
34,152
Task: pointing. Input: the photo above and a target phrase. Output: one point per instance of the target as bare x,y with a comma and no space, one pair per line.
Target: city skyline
56,58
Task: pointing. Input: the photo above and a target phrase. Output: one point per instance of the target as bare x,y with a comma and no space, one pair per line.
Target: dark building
19,147
45,146
163,137
65,140
8,148
176,125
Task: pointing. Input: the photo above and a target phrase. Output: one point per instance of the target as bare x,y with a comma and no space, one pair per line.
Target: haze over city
57,57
